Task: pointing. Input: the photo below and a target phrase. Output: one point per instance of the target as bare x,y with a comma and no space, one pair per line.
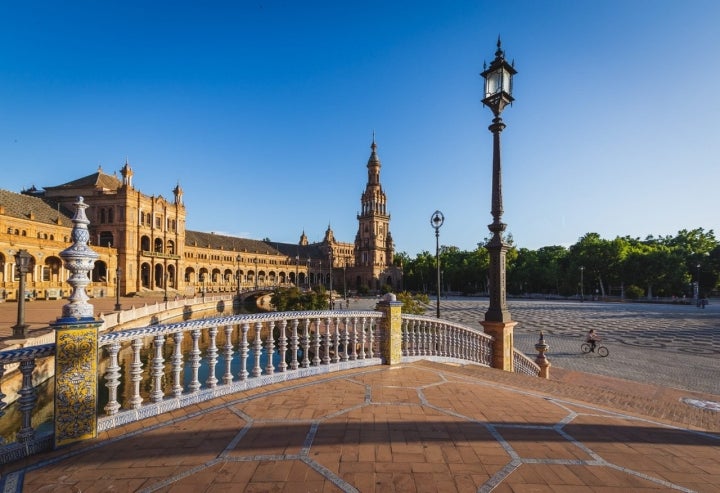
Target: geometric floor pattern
409,428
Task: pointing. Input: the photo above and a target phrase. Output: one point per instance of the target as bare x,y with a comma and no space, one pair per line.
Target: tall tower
374,248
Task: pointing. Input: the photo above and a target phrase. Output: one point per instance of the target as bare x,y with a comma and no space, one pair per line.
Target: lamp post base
20,331
502,332
118,307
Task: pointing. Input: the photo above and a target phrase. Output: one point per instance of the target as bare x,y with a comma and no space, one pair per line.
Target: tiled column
391,345
76,340
76,381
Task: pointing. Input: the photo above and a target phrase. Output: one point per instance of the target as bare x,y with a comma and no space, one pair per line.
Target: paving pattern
421,427
674,345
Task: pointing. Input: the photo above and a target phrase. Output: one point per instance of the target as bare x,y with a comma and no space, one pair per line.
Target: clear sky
264,112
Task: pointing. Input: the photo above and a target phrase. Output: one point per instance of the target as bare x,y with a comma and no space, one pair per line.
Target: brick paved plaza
670,345
430,427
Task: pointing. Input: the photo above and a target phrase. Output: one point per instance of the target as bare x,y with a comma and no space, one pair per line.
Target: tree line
684,265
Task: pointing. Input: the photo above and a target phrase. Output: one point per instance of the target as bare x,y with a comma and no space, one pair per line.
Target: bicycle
600,350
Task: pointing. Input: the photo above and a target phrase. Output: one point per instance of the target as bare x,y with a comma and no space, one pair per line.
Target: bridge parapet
156,369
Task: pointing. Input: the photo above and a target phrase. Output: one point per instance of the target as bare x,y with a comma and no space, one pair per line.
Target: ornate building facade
144,245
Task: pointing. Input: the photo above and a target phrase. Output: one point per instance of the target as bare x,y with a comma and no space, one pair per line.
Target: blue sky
264,112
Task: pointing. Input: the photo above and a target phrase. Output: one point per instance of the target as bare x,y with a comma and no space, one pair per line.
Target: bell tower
374,248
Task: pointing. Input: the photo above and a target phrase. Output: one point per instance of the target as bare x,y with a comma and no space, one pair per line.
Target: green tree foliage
413,303
293,299
664,266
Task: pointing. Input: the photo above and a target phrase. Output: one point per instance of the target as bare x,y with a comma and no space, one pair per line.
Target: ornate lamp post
237,275
256,274
297,271
697,286
582,283
165,282
344,280
22,263
437,220
118,273
498,94
330,273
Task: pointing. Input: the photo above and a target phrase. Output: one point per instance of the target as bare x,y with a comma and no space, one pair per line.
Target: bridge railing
148,371
442,340
166,367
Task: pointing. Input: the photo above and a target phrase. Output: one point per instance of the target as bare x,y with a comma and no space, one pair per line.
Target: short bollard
541,347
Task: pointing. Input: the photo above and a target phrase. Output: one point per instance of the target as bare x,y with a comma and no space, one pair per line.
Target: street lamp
165,298
330,255
697,286
582,291
437,220
256,274
22,263
237,275
498,94
344,280
118,273
297,271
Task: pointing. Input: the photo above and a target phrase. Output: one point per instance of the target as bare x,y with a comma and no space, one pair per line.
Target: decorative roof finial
499,53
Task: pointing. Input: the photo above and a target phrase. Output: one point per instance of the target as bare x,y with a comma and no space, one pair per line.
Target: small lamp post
22,263
237,275
256,274
344,279
697,285
330,273
297,271
118,273
165,281
582,281
437,220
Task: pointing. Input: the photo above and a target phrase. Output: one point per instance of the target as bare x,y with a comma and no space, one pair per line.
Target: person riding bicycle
592,338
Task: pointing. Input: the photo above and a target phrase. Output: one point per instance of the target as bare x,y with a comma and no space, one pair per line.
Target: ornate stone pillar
76,340
391,346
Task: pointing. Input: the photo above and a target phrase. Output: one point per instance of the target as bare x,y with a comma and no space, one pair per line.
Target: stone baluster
112,379
244,348
27,400
317,339
371,340
177,365
327,341
362,337
212,357
136,371
294,345
345,340
3,404
270,349
353,353
194,384
306,343
156,370
257,350
282,346
228,355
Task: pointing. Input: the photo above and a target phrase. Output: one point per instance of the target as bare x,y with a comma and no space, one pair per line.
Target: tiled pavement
420,427
424,427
